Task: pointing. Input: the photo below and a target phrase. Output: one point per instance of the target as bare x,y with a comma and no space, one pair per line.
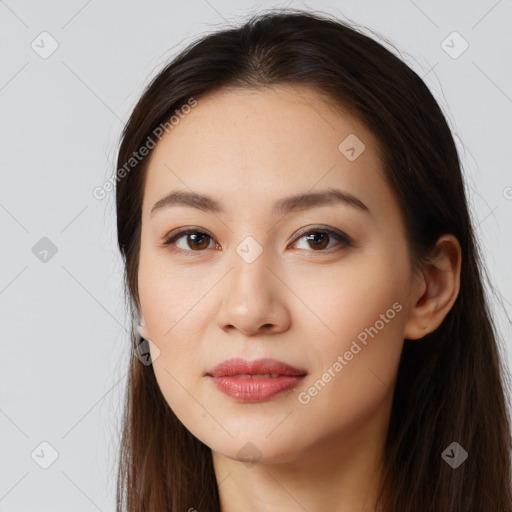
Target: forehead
258,144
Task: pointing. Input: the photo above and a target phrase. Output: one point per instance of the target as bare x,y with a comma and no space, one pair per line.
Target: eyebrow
283,206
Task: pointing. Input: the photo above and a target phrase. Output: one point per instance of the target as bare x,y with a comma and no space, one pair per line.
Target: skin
295,303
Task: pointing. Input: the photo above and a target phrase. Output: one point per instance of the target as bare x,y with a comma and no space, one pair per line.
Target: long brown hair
450,385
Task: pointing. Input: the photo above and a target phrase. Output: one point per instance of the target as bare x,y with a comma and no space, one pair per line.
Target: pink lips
255,381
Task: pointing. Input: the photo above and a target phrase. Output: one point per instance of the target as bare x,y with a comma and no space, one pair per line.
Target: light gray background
64,344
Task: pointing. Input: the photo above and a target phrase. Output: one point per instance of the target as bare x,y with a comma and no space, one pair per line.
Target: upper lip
237,366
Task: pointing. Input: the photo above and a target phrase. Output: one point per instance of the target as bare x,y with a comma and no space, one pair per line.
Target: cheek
358,337
173,315
339,302
172,302
168,293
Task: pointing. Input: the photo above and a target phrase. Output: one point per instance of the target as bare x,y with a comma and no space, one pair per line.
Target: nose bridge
250,277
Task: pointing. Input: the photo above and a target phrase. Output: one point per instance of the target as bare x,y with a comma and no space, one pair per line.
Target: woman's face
258,281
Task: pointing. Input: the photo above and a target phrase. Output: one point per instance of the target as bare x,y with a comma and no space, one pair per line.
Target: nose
254,299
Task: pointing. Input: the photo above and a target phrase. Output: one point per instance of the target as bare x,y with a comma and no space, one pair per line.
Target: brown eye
318,240
194,241
198,241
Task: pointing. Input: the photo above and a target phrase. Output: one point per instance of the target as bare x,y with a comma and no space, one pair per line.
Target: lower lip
255,390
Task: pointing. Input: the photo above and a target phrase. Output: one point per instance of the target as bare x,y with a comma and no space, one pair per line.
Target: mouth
255,376
269,368
255,381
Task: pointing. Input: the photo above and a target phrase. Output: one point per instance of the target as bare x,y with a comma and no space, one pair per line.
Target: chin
256,449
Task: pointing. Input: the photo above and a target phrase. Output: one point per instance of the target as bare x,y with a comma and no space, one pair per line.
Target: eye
319,239
194,240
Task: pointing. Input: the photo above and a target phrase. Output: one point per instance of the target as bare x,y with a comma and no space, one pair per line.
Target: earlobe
438,289
141,327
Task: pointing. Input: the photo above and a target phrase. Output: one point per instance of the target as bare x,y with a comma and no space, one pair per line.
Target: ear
436,290
143,330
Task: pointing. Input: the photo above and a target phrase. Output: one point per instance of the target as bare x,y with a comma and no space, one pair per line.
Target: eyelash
339,236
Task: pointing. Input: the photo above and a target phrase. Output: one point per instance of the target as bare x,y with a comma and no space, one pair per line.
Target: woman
313,331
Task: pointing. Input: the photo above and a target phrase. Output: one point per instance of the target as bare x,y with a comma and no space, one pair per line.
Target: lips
246,369
255,381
